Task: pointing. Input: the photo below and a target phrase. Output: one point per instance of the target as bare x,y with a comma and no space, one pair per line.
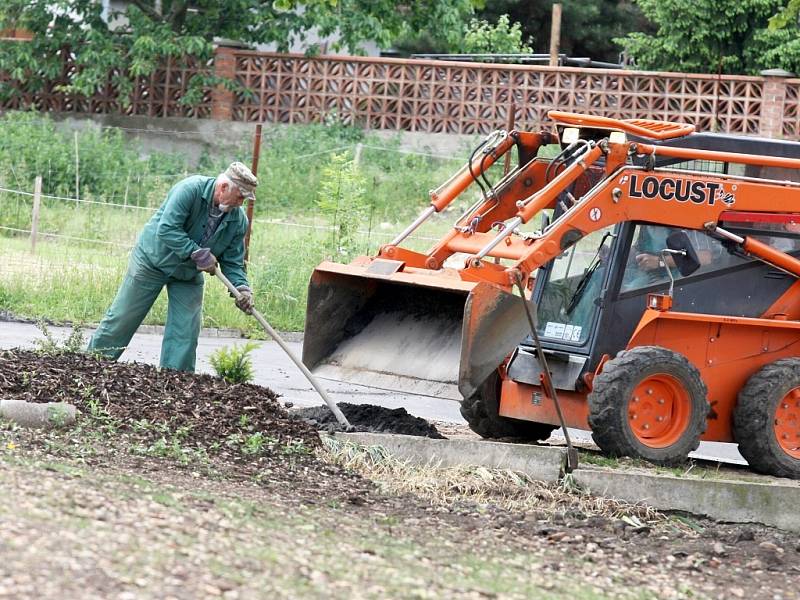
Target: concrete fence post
772,102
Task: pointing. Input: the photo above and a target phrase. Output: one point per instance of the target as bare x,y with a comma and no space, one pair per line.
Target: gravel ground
130,504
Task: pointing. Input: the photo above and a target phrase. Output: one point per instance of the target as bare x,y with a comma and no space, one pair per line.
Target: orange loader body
678,377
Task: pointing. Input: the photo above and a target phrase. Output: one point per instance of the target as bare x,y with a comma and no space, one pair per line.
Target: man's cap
239,174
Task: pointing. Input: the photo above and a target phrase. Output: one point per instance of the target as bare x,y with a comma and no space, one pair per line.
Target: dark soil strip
206,409
368,417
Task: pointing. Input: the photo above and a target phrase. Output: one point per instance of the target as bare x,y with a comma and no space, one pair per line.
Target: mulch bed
209,408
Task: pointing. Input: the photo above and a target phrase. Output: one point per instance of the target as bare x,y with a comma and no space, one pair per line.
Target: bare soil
157,494
368,417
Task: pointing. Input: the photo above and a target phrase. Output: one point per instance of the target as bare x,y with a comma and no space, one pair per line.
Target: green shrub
74,342
234,364
341,199
504,37
108,166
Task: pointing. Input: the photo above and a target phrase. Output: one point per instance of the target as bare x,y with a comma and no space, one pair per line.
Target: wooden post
37,199
555,34
357,153
250,203
77,170
512,115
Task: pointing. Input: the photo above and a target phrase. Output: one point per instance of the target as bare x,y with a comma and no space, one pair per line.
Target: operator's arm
178,206
232,258
648,262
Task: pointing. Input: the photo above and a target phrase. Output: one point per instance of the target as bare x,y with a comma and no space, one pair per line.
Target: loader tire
650,403
766,420
481,413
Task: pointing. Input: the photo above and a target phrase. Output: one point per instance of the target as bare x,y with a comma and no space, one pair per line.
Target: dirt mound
368,417
206,410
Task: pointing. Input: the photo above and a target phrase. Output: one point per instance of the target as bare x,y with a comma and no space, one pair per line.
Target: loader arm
677,198
402,320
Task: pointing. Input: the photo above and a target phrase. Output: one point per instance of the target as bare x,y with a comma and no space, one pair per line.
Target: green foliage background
717,36
504,37
588,27
117,48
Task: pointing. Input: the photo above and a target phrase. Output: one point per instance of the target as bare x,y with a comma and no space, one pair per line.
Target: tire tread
608,404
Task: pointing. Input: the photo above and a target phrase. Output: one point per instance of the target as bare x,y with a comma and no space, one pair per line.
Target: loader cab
591,298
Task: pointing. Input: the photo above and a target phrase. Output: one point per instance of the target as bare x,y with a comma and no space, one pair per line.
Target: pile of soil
206,409
368,417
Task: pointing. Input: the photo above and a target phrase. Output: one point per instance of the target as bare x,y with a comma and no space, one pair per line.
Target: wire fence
128,184
17,218
258,223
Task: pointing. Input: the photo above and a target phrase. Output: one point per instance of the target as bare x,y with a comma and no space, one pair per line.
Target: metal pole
508,229
417,222
77,170
250,203
274,335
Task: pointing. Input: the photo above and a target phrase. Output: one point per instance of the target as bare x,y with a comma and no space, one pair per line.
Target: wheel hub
787,423
658,411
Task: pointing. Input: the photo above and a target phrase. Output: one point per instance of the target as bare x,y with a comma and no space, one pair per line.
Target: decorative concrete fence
441,96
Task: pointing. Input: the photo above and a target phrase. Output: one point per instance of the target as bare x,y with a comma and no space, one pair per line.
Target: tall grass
70,280
114,169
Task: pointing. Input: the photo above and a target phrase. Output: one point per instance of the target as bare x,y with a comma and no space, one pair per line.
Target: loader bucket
433,335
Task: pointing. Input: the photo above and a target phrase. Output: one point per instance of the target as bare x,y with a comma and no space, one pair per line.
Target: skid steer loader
661,269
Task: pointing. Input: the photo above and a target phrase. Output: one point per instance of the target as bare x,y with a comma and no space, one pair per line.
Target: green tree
706,36
133,43
480,37
342,198
587,26
778,46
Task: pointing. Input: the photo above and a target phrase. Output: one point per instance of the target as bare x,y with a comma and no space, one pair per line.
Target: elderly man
200,224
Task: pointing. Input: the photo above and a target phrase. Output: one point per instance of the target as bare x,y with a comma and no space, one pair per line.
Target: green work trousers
135,297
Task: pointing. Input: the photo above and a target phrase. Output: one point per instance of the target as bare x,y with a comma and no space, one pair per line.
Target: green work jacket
171,235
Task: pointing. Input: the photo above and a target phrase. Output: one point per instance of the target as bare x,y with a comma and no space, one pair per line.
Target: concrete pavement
276,371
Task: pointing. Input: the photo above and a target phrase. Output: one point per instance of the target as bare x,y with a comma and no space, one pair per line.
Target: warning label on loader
563,331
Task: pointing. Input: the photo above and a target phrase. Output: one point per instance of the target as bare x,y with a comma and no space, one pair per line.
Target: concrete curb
38,415
543,463
204,332
770,503
213,332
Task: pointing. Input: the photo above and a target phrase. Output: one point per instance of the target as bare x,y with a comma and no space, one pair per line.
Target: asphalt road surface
275,370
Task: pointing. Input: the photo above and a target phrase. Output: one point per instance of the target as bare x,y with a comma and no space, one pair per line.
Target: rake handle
274,335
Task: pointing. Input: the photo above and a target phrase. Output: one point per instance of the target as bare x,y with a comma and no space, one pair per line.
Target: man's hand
204,260
649,262
245,301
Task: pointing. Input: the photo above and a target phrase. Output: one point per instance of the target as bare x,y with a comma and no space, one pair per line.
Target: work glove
245,301
204,260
